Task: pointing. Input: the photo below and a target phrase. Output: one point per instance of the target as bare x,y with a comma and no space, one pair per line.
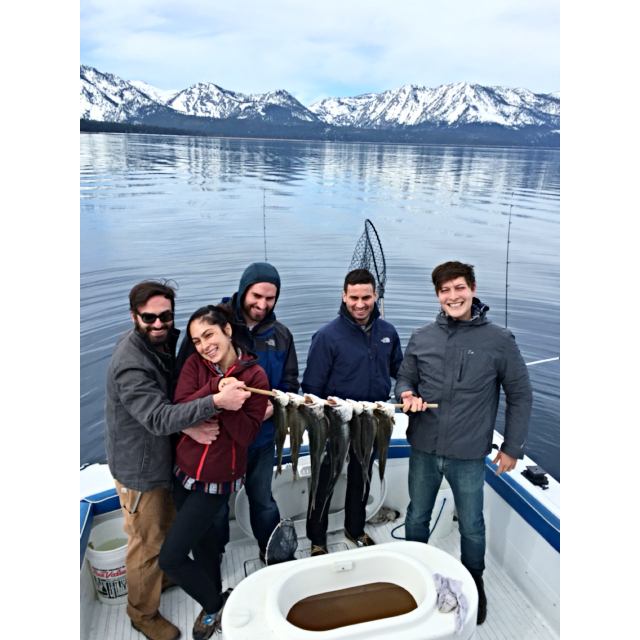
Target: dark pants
355,502
263,510
466,478
195,529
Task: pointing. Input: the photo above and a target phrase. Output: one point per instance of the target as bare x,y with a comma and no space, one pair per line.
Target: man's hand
205,432
411,403
507,463
231,396
269,412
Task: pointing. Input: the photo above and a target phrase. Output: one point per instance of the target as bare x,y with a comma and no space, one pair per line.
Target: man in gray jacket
139,419
460,361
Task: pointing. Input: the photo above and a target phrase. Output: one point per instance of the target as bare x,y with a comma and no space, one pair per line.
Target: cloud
318,49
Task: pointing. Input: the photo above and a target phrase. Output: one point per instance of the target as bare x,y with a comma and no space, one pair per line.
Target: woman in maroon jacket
205,475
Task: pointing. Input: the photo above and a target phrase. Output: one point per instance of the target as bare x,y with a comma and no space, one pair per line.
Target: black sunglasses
150,318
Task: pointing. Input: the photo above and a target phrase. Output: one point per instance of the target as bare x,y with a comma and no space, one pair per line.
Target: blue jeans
263,510
466,478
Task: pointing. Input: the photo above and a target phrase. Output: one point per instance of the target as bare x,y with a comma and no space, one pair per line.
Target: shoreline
368,142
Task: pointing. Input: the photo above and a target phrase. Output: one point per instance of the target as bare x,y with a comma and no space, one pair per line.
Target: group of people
182,432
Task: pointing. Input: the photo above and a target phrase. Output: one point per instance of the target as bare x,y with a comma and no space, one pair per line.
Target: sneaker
156,628
482,599
363,541
206,625
319,550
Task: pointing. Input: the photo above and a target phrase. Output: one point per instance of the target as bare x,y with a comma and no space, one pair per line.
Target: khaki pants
146,527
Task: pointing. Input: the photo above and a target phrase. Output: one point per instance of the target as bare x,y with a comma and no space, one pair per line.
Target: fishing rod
264,392
506,284
264,221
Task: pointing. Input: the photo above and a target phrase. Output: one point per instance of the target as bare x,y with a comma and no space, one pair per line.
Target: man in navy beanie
252,306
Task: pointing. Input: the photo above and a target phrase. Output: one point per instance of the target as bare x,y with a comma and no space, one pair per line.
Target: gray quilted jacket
139,416
461,365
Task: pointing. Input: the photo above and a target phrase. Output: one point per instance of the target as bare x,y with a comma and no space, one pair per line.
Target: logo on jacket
385,340
271,342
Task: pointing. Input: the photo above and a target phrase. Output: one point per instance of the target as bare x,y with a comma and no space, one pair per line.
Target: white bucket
107,560
444,509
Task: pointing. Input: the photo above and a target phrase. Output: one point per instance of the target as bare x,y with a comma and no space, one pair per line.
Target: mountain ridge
407,113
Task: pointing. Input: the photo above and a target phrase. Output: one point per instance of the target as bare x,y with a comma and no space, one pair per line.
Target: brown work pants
146,527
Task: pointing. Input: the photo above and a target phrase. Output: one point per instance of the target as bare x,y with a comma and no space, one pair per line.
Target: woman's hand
231,396
225,381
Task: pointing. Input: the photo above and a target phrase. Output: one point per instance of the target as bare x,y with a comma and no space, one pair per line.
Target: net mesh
369,255
282,544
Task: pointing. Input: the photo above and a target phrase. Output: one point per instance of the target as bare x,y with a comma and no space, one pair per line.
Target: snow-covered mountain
159,95
457,113
106,97
450,105
206,99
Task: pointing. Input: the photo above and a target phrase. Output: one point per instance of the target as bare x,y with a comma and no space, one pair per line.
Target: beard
248,311
144,330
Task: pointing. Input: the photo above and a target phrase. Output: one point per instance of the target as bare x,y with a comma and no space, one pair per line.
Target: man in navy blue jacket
354,357
252,306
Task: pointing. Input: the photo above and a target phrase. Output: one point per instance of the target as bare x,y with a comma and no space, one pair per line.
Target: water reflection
192,209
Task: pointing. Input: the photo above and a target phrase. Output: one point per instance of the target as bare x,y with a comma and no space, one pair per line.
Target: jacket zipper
461,365
204,455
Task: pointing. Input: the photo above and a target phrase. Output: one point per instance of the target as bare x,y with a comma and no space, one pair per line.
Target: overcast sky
320,49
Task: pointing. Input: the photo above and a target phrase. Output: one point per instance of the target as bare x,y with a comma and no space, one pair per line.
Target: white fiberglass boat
522,576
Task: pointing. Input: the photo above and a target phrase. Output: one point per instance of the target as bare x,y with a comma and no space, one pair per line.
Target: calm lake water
191,209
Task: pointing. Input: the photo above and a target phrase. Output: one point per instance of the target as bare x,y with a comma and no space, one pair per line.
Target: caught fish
368,432
312,412
297,424
355,432
280,424
339,413
384,412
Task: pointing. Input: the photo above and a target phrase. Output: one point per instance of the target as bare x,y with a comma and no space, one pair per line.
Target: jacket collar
154,353
244,360
478,315
344,312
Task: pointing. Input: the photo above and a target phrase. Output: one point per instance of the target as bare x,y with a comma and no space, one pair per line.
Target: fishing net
282,543
369,255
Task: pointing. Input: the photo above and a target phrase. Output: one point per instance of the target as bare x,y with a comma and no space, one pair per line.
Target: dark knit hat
254,273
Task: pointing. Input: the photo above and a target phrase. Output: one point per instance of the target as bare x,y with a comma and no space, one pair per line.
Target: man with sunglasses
139,419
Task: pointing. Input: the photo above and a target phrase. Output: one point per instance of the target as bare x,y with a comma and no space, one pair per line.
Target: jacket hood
478,314
256,272
343,311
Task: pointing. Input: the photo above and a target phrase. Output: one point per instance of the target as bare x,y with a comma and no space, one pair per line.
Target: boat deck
509,614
